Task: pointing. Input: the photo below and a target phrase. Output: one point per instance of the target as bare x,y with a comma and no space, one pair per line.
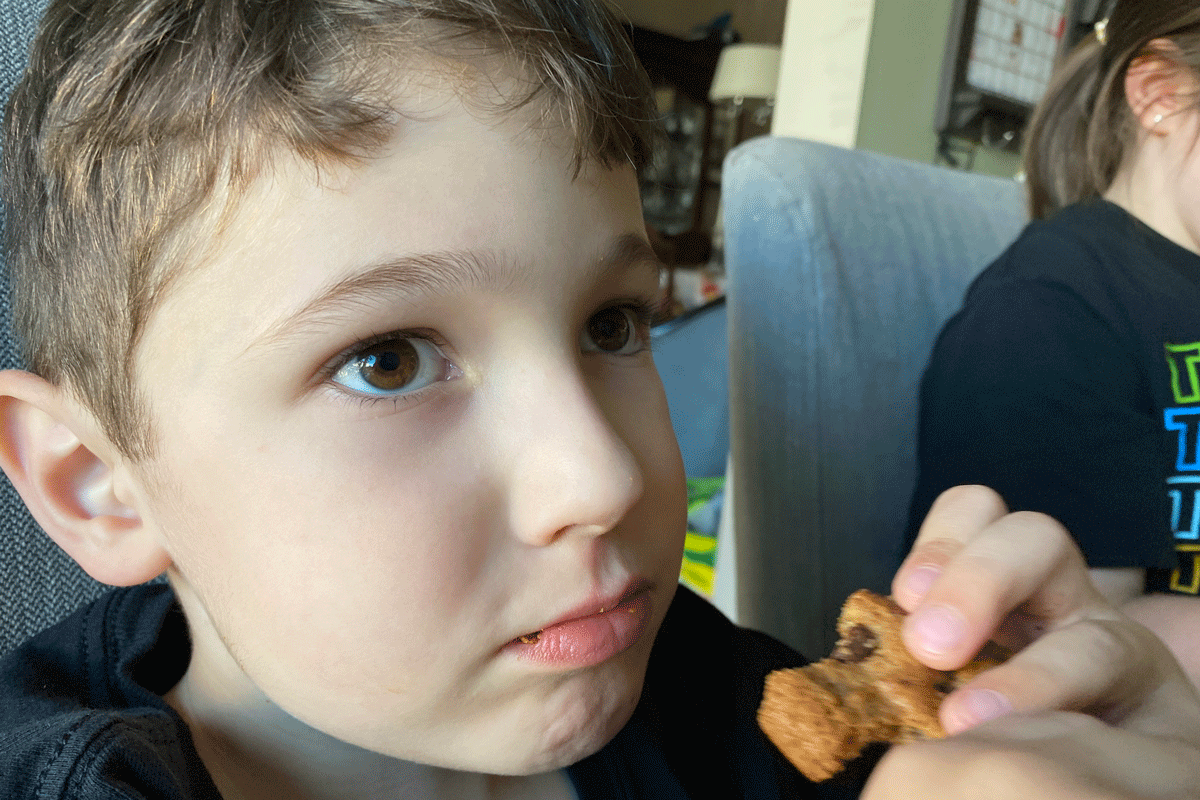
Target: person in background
1068,381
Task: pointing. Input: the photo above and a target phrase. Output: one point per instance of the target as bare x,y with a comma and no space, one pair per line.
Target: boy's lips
590,634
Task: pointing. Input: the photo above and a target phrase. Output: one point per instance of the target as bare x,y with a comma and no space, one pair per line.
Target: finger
956,517
1112,668
1023,562
1107,667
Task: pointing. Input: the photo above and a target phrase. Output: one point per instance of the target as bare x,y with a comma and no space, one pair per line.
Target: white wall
822,69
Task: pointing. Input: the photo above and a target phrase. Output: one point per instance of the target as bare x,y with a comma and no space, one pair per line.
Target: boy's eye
616,329
398,365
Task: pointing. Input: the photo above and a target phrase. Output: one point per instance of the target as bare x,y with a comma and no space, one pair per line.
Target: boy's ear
74,482
1158,86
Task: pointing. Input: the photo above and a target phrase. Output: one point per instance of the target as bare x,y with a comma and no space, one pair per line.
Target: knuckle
1112,642
1044,526
1056,602
1052,536
934,551
977,496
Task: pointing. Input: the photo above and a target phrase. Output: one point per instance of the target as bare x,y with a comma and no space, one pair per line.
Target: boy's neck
272,755
255,750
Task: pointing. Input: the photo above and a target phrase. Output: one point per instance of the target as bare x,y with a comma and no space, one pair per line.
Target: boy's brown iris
390,365
610,329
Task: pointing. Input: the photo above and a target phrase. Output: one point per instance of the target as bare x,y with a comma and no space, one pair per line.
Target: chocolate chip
857,645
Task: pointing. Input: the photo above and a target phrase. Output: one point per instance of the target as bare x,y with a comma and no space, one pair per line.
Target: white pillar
822,69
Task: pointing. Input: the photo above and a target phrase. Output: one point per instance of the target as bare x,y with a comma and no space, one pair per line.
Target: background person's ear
70,477
1158,86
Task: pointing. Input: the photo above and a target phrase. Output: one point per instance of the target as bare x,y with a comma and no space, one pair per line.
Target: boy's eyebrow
431,272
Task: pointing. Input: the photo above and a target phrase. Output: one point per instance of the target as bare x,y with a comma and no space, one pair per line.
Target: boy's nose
571,471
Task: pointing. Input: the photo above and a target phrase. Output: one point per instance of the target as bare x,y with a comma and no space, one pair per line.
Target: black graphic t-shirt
1068,382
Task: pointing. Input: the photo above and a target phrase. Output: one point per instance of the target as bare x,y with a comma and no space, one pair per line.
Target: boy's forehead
421,92
436,109
452,178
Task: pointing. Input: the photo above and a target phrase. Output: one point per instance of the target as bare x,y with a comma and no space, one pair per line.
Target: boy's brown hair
138,122
1082,129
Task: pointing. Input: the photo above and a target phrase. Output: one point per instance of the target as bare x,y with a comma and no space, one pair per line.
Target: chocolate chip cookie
869,689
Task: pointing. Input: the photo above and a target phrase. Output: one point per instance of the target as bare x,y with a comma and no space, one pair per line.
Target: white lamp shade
746,70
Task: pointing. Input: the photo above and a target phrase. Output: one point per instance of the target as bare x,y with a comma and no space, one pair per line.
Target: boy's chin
591,740
564,735
566,748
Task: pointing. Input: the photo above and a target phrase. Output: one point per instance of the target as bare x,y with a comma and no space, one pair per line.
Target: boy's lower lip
590,640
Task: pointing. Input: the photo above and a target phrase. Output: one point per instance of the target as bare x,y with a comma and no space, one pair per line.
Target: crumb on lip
530,638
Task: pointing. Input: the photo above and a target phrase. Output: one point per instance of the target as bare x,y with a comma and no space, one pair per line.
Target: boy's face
407,415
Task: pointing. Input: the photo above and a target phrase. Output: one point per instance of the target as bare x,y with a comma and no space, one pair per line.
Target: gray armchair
842,267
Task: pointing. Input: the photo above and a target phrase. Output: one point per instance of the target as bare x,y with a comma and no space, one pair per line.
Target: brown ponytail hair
1082,129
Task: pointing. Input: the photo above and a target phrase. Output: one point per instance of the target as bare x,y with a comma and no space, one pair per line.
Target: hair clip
1102,31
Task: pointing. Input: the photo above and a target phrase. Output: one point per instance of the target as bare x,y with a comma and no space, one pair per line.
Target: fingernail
984,704
920,579
938,629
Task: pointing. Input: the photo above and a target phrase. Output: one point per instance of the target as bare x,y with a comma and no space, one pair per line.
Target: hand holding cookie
1090,705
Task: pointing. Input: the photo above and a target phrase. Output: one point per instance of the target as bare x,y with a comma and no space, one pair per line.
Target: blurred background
947,82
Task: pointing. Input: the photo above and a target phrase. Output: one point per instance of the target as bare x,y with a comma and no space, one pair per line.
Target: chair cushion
842,266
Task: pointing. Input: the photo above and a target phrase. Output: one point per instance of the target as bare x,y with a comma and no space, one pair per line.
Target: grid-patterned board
1014,46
